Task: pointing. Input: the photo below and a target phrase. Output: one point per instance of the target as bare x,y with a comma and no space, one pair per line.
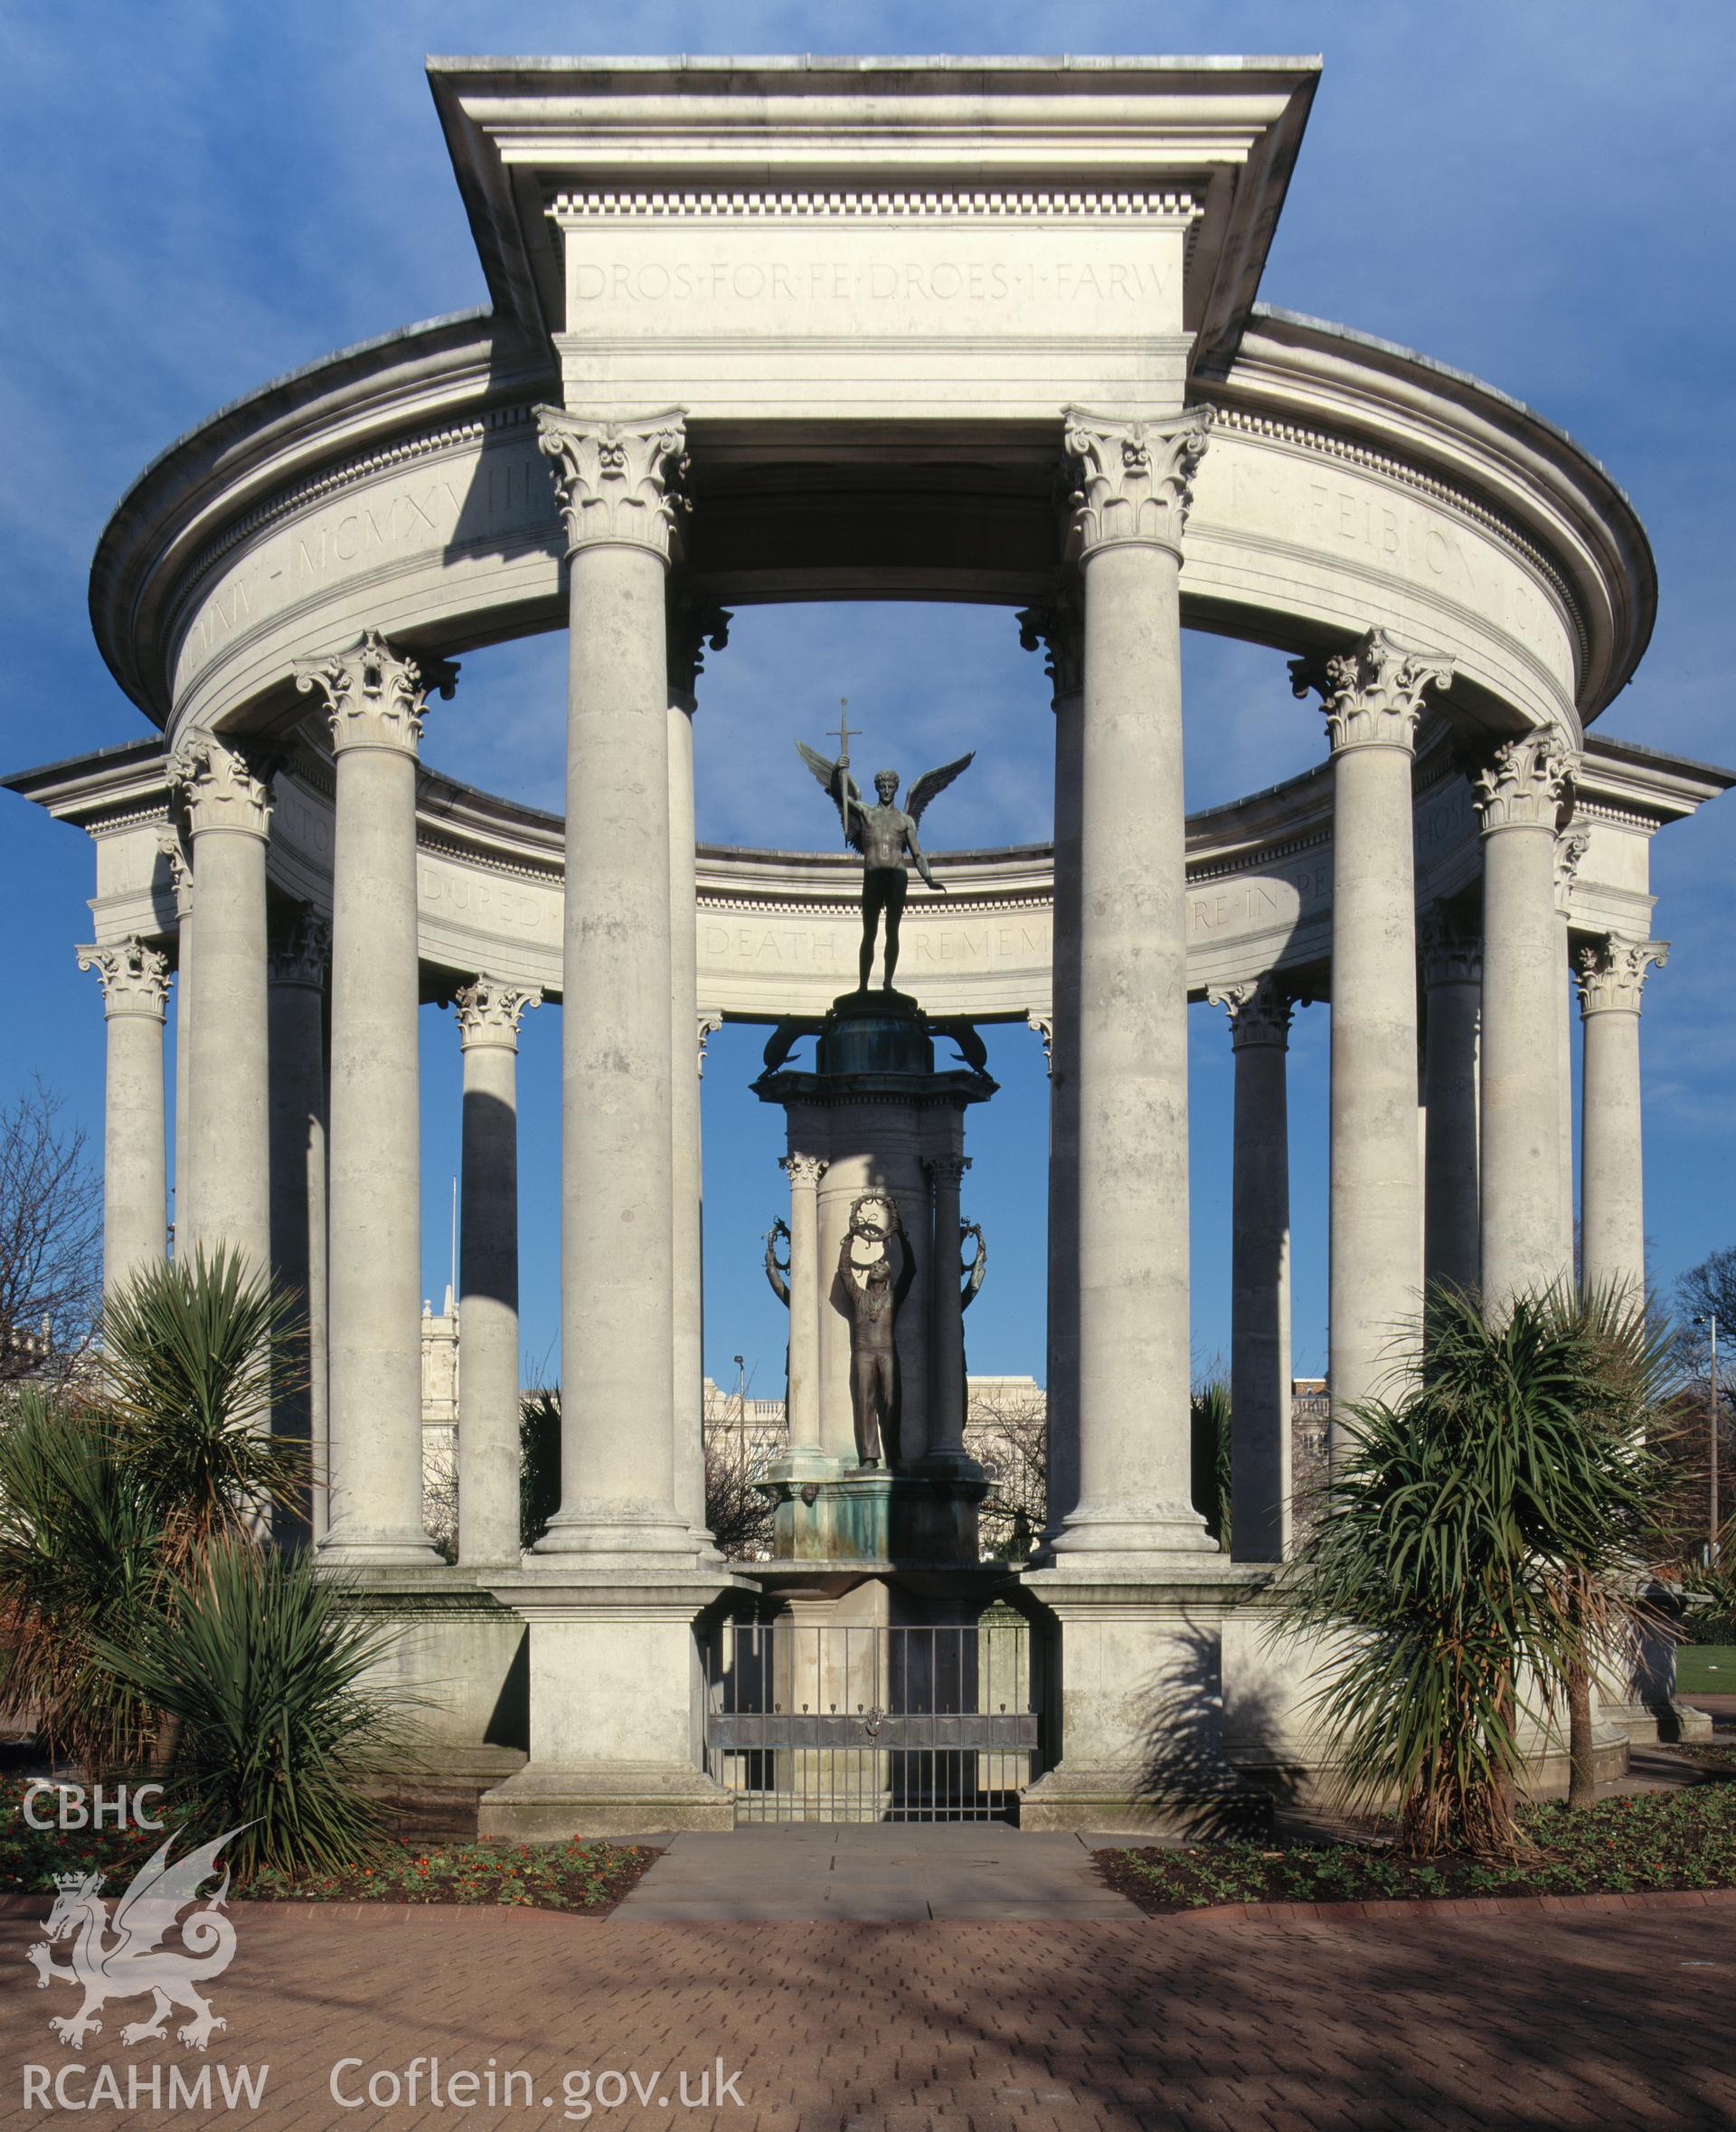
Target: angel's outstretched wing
932,783
161,1891
841,790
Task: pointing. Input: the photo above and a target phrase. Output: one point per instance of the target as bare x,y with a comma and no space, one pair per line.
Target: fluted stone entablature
1373,695
1527,1238
1259,1014
374,700
134,981
1612,977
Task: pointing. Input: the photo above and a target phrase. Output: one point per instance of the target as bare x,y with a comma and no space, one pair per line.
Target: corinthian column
300,955
135,1176
1374,698
617,1248
692,623
1259,1282
374,700
1612,976
180,882
946,1306
1519,795
1128,515
1570,847
488,1446
1452,977
1058,627
804,1172
228,802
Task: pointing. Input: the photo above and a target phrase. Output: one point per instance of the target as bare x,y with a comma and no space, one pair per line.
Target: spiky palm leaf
264,1666
1475,1542
195,1351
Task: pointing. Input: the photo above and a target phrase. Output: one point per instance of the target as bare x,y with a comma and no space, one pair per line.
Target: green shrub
79,1550
263,1667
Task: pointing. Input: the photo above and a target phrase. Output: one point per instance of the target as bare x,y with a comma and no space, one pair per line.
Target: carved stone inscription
1257,489
470,494
881,278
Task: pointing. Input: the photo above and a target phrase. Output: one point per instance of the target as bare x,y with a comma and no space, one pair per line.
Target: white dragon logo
134,1963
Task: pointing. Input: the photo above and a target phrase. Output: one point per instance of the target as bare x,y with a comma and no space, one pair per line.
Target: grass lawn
1667,1839
1706,1669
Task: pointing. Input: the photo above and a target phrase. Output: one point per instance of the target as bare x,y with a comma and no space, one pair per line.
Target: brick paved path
1567,2020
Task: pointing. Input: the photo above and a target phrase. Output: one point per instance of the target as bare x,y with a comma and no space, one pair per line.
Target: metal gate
871,1724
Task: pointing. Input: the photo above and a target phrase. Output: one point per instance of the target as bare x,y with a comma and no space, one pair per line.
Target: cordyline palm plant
194,1352
80,1551
264,1669
1479,1541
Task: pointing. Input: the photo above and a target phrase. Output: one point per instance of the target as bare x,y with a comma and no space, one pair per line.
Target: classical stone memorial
971,330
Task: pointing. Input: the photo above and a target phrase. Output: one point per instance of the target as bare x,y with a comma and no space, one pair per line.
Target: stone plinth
853,1518
615,1705
1139,1714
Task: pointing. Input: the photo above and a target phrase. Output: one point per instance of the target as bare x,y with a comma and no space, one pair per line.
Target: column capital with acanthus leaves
1611,975
1133,481
374,698
134,977
618,480
1373,694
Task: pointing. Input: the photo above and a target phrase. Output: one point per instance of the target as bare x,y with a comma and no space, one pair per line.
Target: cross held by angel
886,837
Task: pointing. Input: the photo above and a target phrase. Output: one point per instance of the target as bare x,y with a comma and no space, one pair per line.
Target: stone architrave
1058,627
616,483
1260,1282
693,624
1519,797
375,701
1129,509
301,958
1452,979
1612,977
226,795
134,981
1374,697
488,1013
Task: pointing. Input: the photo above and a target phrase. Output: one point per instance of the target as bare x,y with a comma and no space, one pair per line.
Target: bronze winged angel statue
883,834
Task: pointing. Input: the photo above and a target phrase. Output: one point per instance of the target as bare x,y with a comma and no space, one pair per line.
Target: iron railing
830,1724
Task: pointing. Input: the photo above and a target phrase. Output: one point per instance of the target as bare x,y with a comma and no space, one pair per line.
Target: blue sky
202,195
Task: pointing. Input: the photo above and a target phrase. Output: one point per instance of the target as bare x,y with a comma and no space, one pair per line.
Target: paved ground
1571,2022
898,1875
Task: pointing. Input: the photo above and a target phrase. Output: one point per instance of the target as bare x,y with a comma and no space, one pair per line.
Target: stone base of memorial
615,1743
458,1658
1140,1712
913,1518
